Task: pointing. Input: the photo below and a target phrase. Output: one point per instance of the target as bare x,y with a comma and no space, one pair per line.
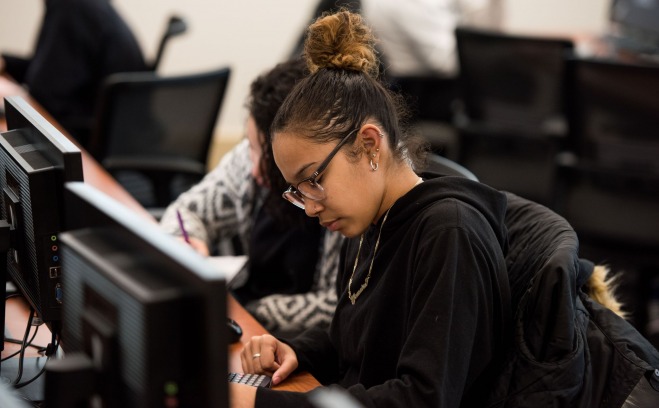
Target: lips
331,225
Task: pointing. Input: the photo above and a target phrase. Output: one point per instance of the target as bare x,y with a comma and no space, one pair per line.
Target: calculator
255,380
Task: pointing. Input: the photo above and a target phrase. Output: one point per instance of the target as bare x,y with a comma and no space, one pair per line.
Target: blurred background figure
417,36
417,42
80,42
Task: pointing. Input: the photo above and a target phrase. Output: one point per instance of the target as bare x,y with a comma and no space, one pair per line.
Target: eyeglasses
309,187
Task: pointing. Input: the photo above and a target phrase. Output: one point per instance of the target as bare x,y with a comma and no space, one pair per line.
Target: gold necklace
353,296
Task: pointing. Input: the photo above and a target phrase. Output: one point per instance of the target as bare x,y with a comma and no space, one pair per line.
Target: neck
400,181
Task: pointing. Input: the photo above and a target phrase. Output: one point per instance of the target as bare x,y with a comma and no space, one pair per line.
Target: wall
251,36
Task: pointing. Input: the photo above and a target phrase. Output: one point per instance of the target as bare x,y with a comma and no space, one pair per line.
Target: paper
230,266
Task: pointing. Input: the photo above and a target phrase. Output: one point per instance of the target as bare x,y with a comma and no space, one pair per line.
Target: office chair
154,133
441,165
511,121
608,188
175,26
430,100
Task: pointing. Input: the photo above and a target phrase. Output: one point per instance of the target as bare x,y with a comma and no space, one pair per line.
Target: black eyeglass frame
294,191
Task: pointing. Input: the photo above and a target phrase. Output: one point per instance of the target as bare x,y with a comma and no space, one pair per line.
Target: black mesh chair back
512,120
609,188
152,131
615,115
512,81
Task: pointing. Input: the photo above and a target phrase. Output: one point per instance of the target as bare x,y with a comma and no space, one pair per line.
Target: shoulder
449,212
459,202
237,159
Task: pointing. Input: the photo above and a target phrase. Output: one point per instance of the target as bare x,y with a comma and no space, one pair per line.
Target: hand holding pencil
197,244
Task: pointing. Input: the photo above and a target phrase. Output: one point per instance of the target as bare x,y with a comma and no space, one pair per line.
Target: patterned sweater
221,208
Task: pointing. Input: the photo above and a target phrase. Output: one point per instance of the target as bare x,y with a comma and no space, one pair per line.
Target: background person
80,42
237,208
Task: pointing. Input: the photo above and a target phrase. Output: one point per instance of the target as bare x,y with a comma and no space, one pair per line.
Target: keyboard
255,380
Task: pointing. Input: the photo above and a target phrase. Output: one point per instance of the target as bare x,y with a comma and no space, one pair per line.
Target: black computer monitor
636,24
146,309
35,162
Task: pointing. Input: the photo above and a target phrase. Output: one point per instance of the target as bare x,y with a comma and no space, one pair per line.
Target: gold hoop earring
375,166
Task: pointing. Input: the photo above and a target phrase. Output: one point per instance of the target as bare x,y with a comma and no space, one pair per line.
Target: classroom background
251,36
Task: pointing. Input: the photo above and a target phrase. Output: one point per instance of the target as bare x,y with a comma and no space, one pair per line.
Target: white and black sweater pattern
220,208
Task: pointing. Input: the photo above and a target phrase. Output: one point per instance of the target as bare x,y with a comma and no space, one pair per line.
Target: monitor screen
146,309
637,23
35,162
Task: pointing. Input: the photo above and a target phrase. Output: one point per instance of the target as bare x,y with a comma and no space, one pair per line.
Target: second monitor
145,309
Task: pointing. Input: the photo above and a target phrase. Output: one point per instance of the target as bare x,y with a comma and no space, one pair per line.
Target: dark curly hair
267,92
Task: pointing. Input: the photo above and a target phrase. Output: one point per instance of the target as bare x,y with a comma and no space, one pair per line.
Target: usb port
55,271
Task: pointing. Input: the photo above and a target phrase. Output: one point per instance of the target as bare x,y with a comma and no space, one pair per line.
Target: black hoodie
430,326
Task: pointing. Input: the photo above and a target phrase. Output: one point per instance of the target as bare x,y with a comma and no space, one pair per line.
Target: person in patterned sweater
238,209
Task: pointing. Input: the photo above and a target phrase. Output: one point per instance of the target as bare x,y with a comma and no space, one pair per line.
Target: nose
312,208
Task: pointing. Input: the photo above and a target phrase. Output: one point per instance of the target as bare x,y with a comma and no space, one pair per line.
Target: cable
21,358
51,349
41,349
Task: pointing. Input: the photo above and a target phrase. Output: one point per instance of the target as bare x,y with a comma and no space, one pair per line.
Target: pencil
182,226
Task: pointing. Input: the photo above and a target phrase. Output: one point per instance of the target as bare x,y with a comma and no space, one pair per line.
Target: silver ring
256,355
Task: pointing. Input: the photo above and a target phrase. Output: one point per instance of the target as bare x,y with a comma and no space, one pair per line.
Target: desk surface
95,175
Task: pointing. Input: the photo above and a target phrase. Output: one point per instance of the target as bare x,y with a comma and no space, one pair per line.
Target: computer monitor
145,308
35,162
636,25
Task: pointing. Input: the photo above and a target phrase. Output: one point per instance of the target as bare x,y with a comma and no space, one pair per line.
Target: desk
97,176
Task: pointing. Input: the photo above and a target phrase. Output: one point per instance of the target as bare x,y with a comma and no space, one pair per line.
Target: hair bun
341,40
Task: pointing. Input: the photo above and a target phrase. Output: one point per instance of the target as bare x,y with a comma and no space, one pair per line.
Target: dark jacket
567,350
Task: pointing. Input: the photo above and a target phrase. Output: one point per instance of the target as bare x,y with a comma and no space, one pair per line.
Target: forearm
293,314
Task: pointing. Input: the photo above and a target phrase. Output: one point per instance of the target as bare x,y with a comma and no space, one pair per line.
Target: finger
199,246
246,356
264,359
264,363
285,369
243,362
253,350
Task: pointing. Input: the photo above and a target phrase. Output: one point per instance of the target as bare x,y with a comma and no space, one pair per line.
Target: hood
488,201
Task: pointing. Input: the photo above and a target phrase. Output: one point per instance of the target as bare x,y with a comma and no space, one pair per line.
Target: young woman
424,303
290,285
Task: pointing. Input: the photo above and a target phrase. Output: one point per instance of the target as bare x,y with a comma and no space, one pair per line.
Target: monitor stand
33,391
5,244
31,365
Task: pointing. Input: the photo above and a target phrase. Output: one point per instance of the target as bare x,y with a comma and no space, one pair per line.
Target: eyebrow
299,173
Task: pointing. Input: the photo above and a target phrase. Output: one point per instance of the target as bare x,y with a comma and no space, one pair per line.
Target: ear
371,138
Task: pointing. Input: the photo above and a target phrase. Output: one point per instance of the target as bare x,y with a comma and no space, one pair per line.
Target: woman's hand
267,355
241,395
197,244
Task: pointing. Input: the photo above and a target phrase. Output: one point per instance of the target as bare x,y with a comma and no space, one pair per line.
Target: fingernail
275,380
